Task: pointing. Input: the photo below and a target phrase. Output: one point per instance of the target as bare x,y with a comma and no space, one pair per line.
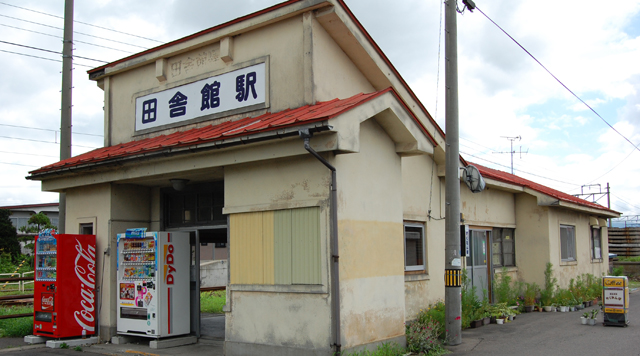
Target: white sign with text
229,91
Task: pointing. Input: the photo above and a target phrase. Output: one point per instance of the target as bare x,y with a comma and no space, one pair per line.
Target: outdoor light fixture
179,184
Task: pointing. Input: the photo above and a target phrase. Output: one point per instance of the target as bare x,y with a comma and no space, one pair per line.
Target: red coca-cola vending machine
64,299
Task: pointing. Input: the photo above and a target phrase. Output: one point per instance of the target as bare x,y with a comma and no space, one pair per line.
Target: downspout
335,271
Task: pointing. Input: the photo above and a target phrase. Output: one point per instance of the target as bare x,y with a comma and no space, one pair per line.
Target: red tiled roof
231,129
513,179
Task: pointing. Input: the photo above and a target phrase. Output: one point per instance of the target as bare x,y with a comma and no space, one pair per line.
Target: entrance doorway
478,264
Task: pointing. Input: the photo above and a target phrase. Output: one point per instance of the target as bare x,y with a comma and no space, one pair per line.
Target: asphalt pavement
537,333
543,333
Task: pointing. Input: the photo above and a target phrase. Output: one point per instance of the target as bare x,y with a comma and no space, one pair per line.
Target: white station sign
229,91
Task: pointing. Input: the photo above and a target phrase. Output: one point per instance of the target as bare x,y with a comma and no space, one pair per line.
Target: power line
48,50
558,80
84,23
80,33
614,167
74,41
48,59
27,154
17,164
637,207
51,130
41,141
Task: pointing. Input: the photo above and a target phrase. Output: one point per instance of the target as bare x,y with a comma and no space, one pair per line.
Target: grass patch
18,327
629,259
212,302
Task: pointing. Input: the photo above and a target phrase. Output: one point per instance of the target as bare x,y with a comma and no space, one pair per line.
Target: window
596,243
279,247
414,253
86,229
567,243
503,247
198,205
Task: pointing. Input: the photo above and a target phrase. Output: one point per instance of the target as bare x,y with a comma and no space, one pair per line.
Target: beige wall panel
276,183
334,73
371,310
258,318
422,293
131,203
490,208
532,238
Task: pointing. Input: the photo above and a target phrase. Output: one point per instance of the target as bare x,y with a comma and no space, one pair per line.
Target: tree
40,220
8,235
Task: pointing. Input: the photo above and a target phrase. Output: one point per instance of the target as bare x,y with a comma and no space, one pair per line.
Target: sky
505,97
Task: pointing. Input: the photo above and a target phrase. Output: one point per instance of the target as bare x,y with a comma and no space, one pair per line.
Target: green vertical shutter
305,246
282,246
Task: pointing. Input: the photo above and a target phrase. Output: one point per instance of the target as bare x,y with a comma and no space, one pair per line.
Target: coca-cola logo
46,301
85,268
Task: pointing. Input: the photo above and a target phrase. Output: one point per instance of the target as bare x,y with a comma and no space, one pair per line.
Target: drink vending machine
153,283
64,302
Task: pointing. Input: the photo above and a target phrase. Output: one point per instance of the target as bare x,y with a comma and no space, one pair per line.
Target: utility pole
67,88
453,260
608,201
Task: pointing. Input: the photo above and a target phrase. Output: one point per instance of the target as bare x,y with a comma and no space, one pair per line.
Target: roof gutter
236,141
335,267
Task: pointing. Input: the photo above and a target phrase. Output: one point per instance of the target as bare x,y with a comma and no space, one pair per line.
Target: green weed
16,327
212,302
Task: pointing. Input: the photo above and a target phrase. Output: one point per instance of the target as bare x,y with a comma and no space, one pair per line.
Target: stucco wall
532,238
256,312
334,74
281,42
490,208
371,240
421,193
583,263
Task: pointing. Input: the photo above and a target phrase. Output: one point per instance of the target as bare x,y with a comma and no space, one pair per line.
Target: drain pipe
335,271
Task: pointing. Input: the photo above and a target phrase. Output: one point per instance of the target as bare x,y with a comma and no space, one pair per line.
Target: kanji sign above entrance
229,91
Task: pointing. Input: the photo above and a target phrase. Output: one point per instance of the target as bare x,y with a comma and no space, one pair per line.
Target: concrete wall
490,208
214,273
371,240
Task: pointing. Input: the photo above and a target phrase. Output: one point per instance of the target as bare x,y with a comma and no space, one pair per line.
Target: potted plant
594,315
584,318
530,294
550,283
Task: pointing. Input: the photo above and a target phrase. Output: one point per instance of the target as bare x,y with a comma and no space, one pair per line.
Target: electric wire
42,141
635,206
18,164
27,154
558,80
435,114
74,41
80,33
50,130
84,23
48,59
50,51
614,167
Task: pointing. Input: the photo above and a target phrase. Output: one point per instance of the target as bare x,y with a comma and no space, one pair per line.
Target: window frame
572,257
496,235
423,266
593,245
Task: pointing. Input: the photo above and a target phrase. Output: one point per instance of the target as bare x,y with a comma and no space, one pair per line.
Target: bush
212,302
435,312
422,337
618,271
502,287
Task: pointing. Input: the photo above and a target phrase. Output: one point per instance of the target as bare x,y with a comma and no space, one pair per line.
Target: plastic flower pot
583,320
500,321
592,322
